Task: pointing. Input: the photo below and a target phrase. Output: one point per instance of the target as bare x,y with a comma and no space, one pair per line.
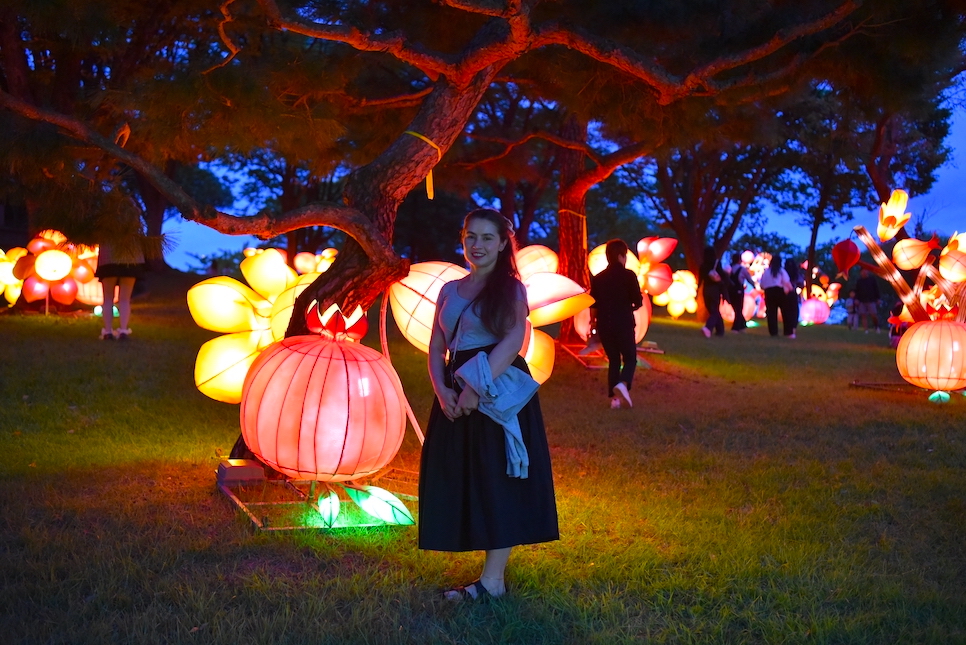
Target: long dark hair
775,264
495,302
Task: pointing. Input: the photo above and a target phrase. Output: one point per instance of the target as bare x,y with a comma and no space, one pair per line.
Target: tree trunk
155,204
377,189
571,220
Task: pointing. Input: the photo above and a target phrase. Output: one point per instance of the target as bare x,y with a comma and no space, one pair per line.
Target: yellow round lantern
53,265
318,408
932,355
952,265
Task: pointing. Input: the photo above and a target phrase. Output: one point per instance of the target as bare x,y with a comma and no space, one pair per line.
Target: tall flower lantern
930,353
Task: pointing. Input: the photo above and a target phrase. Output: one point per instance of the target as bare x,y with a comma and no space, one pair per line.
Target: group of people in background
779,282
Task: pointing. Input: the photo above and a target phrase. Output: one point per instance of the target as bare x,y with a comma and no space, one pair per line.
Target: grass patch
750,496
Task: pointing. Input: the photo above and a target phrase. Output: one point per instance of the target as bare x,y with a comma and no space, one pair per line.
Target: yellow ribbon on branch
430,193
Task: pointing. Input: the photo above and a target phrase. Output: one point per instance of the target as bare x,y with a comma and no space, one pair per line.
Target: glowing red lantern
319,408
932,355
846,255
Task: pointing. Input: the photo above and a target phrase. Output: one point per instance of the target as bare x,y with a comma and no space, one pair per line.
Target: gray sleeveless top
472,333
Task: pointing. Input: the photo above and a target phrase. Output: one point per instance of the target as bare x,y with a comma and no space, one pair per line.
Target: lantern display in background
681,296
536,258
244,315
814,312
51,268
597,261
932,355
413,299
892,216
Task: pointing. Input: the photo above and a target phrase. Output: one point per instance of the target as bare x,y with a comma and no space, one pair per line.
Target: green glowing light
939,397
381,504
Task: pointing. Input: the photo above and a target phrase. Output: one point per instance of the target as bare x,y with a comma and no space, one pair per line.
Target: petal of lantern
939,397
82,272
381,504
35,289
413,299
536,258
642,320
656,249
6,273
305,262
658,279
268,274
225,305
329,507
12,292
24,268
553,297
892,216
40,244
281,313
64,291
540,356
223,362
952,266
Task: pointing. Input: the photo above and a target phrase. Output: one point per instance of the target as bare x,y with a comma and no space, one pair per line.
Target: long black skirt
467,502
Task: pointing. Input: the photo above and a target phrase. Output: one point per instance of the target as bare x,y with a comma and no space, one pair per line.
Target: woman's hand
448,402
468,401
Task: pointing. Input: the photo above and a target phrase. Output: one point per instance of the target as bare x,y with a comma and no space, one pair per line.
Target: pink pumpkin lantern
320,408
814,312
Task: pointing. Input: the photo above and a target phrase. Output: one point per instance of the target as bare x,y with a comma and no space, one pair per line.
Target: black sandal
464,594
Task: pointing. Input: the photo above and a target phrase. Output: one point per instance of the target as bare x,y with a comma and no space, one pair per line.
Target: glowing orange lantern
681,296
539,355
910,253
642,320
931,355
892,216
413,299
323,409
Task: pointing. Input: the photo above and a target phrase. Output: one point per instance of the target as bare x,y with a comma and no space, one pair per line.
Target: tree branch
344,218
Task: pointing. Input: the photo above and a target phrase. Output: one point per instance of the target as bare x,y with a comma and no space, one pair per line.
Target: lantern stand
281,505
597,360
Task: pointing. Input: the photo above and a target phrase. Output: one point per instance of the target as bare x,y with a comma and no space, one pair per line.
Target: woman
118,268
617,295
774,281
467,501
711,277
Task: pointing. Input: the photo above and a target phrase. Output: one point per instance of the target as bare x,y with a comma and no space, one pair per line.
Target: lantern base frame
597,360
893,386
278,505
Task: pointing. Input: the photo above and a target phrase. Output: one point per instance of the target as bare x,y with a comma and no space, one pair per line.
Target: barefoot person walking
484,485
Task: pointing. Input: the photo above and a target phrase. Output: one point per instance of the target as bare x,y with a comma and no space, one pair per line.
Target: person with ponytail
467,499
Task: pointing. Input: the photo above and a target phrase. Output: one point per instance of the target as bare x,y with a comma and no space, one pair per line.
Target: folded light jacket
501,399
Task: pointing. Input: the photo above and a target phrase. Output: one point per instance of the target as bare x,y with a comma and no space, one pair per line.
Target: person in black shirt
616,295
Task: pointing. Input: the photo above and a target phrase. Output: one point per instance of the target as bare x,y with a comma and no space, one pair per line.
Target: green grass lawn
750,496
